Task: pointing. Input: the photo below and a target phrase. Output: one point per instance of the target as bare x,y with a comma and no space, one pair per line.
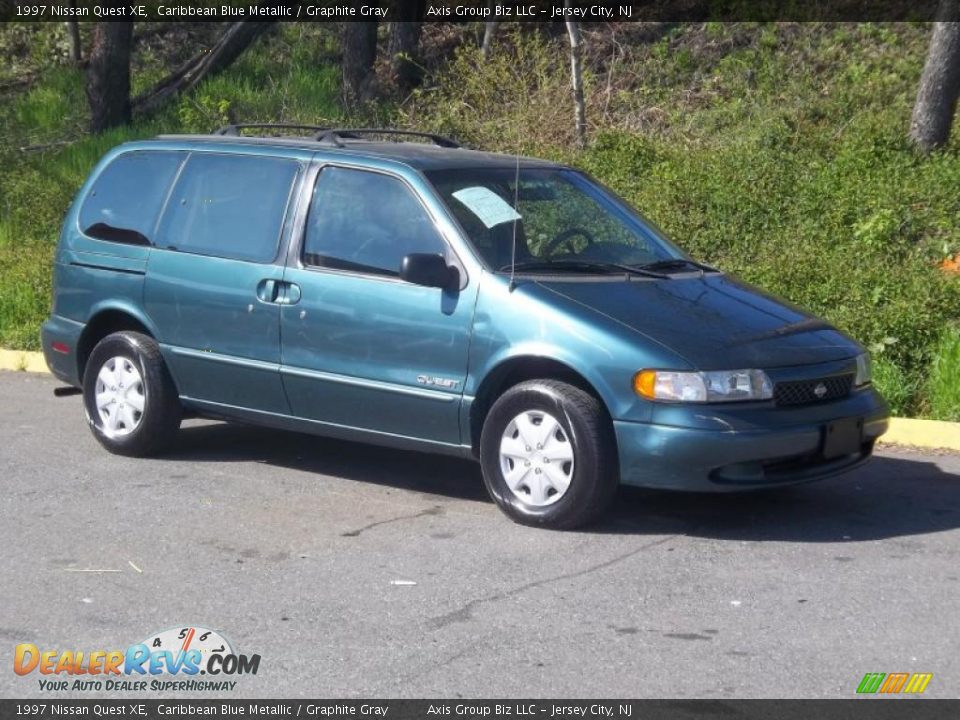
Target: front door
213,279
362,348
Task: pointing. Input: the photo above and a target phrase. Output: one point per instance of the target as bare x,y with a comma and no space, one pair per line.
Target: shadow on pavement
435,474
892,496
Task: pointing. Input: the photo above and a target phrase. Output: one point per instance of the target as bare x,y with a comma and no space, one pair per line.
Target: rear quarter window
129,193
230,206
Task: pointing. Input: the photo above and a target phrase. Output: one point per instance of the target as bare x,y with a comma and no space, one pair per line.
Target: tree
358,41
73,32
576,75
229,46
404,46
940,82
108,75
489,31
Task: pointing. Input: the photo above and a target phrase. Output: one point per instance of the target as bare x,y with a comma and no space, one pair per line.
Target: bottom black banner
866,708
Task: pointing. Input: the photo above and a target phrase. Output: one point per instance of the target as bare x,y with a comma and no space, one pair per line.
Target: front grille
804,392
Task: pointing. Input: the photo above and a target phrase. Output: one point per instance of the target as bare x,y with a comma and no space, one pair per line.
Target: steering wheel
565,236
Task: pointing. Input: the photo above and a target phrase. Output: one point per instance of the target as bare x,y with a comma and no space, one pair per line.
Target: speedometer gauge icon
183,639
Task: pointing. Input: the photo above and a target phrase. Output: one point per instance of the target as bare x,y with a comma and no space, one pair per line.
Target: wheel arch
104,321
515,370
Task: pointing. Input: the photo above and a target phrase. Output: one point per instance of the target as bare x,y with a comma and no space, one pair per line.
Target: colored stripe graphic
918,682
871,682
893,683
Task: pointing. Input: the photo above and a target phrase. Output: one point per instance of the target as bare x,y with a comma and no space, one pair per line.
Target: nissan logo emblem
820,390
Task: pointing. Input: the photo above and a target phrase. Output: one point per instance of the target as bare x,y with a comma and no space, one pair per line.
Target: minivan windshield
559,219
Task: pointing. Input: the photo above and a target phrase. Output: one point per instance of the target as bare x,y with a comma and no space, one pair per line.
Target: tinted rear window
230,206
129,193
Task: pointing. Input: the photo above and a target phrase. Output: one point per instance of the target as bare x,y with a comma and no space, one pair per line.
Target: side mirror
428,270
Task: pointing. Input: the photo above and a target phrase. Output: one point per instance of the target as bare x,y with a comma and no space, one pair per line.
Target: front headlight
864,370
710,386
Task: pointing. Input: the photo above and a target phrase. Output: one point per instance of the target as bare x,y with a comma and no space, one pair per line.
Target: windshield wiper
586,266
678,263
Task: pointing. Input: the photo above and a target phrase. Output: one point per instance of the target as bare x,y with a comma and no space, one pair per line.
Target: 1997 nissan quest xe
424,296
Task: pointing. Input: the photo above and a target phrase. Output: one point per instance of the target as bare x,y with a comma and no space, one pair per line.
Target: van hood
714,321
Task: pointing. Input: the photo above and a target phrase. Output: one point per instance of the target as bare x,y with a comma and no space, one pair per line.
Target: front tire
130,400
548,455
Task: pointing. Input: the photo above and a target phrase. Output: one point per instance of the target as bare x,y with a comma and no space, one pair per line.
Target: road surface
355,571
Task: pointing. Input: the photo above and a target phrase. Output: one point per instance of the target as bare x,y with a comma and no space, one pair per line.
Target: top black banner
470,10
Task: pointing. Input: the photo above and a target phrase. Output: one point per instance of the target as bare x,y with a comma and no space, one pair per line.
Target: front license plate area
842,437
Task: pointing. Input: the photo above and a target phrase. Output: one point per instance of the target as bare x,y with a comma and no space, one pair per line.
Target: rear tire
548,455
130,400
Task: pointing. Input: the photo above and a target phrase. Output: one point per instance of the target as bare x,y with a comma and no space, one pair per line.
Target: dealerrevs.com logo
172,660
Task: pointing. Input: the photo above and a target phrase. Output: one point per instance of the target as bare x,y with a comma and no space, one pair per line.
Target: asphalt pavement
356,571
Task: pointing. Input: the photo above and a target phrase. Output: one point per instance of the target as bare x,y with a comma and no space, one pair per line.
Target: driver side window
367,222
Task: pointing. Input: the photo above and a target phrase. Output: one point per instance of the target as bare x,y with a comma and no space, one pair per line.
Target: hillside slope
777,152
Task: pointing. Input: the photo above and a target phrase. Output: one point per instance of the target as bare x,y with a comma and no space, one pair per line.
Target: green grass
944,383
894,384
775,151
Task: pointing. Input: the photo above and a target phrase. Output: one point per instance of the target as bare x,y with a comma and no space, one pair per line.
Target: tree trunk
235,39
359,44
489,30
579,111
108,76
404,48
73,32
940,83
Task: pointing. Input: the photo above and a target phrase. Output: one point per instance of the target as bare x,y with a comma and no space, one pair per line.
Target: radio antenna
516,204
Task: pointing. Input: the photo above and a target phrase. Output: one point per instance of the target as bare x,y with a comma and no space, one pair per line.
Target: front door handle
267,291
278,292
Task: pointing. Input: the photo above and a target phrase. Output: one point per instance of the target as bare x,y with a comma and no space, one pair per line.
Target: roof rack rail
334,136
235,129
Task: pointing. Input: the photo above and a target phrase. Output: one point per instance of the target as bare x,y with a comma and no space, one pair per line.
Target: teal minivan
392,287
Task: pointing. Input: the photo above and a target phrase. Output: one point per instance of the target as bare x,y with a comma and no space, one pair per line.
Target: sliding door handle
290,294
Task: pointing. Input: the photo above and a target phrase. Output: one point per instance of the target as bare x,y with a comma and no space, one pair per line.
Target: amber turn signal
643,383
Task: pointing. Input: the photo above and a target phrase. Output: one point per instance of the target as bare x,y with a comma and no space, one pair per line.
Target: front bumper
749,456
